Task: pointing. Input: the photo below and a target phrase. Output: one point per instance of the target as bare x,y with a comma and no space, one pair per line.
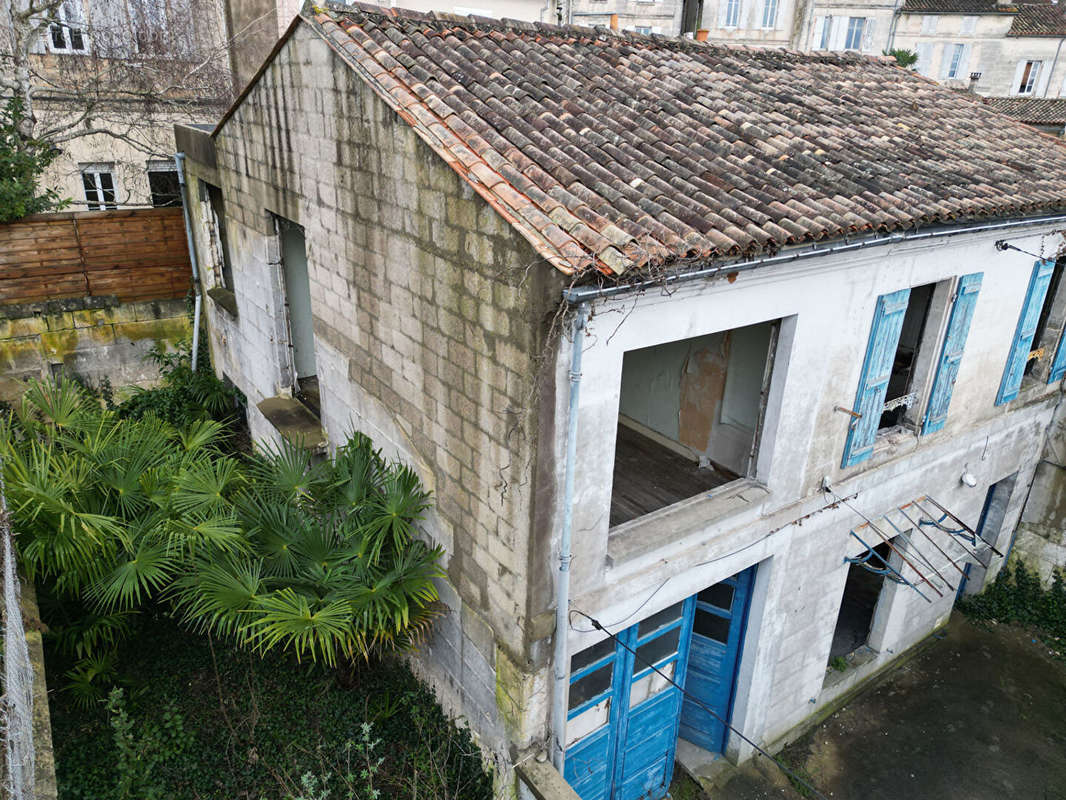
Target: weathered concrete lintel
294,421
542,781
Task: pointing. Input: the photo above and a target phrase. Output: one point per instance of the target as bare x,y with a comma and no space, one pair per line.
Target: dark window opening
690,413
899,397
861,592
293,246
1035,356
219,241
165,189
711,625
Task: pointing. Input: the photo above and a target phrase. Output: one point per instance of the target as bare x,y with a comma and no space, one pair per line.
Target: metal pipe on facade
562,588
583,294
1054,63
179,162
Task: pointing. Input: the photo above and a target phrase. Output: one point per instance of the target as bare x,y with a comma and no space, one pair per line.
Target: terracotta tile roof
1033,110
1039,19
621,151
957,7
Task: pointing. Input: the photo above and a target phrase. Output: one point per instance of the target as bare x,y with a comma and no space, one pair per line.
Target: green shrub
22,161
184,395
1017,596
256,726
114,514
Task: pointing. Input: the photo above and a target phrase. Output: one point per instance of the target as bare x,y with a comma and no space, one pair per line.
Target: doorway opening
690,417
293,248
862,591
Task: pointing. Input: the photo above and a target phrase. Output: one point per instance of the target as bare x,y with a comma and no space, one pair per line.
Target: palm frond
215,596
141,574
317,631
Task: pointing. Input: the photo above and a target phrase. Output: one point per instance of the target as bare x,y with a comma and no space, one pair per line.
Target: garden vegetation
138,518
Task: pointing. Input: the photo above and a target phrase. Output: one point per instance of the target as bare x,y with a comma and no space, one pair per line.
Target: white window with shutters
824,33
929,23
1027,76
969,26
954,61
67,33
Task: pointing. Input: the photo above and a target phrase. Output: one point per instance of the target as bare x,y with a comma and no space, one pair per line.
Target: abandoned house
747,355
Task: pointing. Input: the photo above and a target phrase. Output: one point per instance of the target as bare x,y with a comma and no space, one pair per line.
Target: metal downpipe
562,589
179,162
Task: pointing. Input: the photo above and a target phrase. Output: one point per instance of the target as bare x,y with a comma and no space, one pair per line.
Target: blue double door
625,717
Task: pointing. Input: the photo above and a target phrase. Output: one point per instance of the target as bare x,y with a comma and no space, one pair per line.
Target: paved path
978,715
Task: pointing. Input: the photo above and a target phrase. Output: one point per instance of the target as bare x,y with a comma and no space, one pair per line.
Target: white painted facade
826,305
952,46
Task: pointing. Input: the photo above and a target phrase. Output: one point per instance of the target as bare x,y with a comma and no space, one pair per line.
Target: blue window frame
947,369
1028,321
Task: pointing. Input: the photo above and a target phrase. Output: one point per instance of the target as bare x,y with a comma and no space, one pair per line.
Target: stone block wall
431,315
95,338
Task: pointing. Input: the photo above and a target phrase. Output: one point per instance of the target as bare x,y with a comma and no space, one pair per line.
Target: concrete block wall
96,338
430,317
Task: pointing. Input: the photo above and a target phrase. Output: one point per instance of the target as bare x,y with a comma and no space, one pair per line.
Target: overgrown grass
197,720
1017,597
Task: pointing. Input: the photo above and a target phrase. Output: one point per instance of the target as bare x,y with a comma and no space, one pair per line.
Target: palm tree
280,551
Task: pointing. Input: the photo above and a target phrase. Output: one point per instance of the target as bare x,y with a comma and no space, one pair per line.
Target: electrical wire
792,775
714,560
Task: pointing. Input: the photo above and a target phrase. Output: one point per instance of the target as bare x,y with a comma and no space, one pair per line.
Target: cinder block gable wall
432,320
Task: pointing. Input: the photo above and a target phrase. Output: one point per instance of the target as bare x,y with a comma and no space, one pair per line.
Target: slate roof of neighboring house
1039,19
1032,110
957,7
622,151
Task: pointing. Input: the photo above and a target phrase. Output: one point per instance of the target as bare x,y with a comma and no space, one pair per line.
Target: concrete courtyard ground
978,714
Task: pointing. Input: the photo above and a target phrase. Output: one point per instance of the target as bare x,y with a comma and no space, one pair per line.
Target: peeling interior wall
701,395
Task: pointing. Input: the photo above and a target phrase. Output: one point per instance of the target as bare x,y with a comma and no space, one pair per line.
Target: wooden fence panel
137,254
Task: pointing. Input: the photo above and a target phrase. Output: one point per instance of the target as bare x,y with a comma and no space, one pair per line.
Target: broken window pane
656,650
593,684
660,620
590,655
711,625
720,596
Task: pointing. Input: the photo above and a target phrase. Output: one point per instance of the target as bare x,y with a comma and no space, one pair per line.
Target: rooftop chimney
614,22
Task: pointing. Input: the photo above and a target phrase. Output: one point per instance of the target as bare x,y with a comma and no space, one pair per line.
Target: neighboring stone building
704,312
107,79
1013,50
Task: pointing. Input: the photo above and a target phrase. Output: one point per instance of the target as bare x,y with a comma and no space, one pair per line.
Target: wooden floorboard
648,476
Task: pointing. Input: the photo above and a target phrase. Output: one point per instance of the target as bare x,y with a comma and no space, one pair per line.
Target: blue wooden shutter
947,369
1026,330
876,370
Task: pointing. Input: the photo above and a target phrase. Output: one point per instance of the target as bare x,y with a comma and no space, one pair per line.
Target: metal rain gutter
561,660
179,162
582,294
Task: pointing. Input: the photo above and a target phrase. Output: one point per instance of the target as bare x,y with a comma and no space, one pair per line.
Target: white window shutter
839,34
964,63
945,59
816,34
723,9
1042,79
868,35
1017,77
925,57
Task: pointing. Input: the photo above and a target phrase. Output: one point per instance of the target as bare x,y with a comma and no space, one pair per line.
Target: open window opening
293,248
219,243
690,417
163,184
861,594
904,393
1048,327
